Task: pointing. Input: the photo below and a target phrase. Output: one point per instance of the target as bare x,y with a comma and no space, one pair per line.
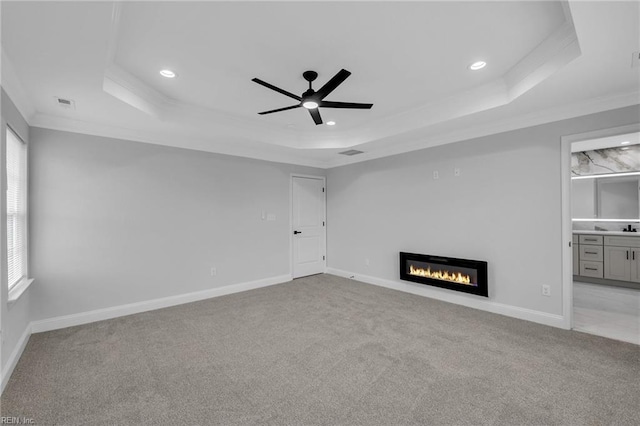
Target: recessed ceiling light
331,123
625,148
167,73
625,143
477,65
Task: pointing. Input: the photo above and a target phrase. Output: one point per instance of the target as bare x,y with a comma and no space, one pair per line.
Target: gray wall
15,318
116,222
504,208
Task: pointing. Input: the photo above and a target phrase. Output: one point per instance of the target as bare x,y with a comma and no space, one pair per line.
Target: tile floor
607,311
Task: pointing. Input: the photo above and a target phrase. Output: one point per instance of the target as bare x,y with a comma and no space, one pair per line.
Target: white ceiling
546,61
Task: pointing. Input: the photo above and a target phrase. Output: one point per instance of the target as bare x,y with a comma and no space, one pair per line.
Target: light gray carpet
323,350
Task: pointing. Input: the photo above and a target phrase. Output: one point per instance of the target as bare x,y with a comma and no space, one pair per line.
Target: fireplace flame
455,277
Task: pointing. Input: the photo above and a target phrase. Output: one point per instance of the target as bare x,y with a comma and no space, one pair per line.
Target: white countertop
612,233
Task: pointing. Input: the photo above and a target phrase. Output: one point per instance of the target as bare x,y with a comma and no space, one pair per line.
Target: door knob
297,232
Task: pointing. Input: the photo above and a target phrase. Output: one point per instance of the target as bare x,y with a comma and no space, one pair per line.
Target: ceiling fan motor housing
309,95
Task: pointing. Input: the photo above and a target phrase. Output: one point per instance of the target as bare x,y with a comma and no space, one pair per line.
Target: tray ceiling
410,59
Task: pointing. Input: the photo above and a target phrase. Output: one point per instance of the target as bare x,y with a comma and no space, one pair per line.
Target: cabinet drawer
588,252
591,269
590,239
622,241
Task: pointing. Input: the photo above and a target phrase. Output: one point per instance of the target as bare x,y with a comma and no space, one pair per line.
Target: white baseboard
150,305
15,357
459,299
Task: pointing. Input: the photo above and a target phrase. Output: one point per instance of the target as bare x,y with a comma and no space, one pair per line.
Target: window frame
17,287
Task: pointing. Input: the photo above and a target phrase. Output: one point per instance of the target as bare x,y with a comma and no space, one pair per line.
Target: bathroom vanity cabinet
622,258
609,259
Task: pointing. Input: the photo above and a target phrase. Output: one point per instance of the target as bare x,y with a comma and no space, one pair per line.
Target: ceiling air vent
351,152
65,103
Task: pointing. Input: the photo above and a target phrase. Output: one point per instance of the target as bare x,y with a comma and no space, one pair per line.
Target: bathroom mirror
606,197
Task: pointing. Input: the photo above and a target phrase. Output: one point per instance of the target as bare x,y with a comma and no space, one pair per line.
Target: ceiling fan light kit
312,100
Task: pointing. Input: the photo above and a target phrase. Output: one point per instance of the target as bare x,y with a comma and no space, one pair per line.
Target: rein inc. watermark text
5,420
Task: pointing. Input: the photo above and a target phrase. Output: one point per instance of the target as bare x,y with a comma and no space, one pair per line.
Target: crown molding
402,143
123,86
229,146
13,87
556,51
413,141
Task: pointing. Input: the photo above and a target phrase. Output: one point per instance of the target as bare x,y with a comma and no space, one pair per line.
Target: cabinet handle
590,269
591,252
590,239
627,254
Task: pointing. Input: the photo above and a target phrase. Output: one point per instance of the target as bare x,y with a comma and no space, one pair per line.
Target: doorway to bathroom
601,251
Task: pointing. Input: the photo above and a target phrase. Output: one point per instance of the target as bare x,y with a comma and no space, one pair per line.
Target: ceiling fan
313,100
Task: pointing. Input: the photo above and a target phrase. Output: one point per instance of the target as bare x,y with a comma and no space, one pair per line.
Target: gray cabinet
608,258
622,258
591,256
617,263
635,265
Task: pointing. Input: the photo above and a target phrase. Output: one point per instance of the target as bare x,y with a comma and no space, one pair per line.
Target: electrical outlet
456,171
366,262
436,175
214,271
546,290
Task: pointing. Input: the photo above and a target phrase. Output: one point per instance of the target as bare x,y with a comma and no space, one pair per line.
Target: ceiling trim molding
14,88
413,141
256,151
556,51
409,141
127,88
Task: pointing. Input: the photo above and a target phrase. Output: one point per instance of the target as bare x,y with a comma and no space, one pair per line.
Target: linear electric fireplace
469,276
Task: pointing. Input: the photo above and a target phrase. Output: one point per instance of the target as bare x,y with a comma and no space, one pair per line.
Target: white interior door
308,223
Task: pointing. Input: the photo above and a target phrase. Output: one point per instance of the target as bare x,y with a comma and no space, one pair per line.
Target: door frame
324,230
567,225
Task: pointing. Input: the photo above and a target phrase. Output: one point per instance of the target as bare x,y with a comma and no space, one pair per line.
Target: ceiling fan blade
277,89
315,114
279,109
333,83
329,104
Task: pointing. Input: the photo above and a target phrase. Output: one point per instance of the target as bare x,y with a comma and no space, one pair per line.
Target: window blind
16,209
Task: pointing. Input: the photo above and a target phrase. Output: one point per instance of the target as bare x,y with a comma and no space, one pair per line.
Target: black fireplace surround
468,276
